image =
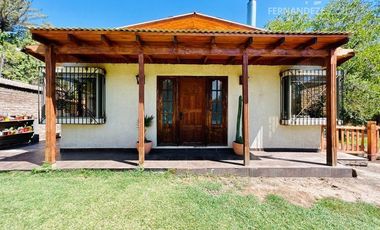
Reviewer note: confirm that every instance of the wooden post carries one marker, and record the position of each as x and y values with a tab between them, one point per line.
141	114
372	142
331	148
50	106
246	143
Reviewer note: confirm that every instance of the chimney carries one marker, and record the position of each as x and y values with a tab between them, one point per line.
251	13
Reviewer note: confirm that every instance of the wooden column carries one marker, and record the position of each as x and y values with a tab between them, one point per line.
50	106
141	114
246	143
331	148
371	137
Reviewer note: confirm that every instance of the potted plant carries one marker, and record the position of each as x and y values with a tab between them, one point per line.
148	144
237	145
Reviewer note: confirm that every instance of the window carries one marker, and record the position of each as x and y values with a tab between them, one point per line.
216	102
303	97
80	95
167	102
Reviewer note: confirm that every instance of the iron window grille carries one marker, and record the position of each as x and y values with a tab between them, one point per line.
303	97
80	95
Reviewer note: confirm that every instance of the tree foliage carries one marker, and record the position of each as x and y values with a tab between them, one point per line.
289	21
362	80
15	15
16	64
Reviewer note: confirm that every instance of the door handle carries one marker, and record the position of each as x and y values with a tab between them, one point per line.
180	115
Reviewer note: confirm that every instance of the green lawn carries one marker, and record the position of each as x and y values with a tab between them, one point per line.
143	200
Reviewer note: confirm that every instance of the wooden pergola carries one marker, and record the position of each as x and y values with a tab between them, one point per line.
226	47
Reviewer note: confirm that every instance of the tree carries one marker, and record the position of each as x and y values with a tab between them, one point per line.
362	79
17	65
16	13
290	22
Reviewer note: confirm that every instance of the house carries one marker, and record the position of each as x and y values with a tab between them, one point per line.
189	71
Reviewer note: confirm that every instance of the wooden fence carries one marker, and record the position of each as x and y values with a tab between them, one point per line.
356	139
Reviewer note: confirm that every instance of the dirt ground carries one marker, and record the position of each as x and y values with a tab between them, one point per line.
305	191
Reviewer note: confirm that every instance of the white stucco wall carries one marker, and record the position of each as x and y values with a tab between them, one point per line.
120	130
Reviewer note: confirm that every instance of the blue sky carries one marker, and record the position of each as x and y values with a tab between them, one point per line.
115	13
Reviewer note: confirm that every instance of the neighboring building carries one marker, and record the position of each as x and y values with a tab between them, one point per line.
194	67
18	98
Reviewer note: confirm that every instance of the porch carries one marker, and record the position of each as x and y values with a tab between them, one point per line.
216	161
228	45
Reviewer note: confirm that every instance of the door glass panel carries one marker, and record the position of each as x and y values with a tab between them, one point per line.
169	118
216	102
168	107
214	94
169	95
214	85
167	102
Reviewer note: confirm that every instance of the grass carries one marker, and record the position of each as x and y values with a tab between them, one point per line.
145	200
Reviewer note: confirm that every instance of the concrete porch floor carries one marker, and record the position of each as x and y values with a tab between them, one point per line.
198	161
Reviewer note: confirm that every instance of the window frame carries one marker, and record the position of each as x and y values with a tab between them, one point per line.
72	75
217	133
287	94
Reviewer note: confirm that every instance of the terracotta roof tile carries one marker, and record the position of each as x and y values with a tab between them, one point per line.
189	31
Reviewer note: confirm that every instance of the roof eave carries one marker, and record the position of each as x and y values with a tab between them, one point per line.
43	29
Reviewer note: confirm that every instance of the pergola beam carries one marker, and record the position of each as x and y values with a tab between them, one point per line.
139	41
187	50
278	43
150	59
212	42
301	60
310	61
175	47
204	60
253	60
336	44
73	39
280	60
230	60
106	40
248	43
307	44
126	58
296	57
175	42
43	40
80	58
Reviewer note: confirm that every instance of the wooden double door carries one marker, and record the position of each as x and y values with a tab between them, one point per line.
191	111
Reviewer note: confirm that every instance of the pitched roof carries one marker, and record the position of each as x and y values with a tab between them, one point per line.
187	39
192	21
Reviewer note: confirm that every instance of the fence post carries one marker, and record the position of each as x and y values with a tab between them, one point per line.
371	140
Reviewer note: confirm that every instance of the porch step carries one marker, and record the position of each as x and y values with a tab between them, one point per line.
349	162
352	160
334	172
